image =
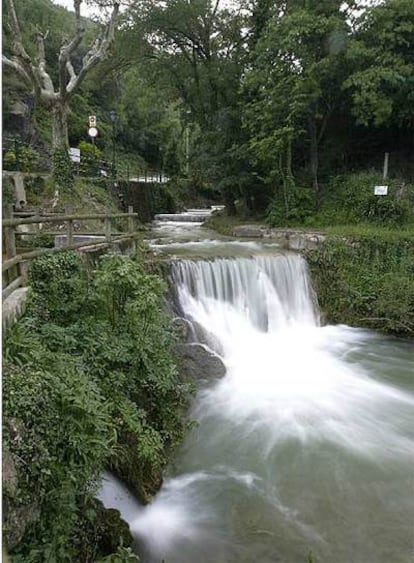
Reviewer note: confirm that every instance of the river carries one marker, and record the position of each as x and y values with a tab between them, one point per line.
305	449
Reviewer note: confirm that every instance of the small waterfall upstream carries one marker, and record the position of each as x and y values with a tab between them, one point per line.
306	445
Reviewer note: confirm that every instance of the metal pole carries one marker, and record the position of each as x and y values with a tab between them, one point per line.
386	160
187	150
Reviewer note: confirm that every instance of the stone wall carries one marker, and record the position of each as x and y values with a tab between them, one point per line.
291	239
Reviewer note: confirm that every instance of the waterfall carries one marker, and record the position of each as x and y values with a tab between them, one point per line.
272	291
305	445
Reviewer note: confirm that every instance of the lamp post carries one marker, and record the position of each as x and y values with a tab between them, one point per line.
113	116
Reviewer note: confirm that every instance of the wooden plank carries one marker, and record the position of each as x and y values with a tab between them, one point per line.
62	218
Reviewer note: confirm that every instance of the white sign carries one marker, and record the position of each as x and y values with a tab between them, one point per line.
92	121
381	190
93	132
74	155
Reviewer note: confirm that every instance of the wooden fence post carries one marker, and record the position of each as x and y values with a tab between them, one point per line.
10	245
69	237
10	235
107	222
130	220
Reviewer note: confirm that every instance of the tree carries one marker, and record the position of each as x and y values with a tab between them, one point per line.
199	48
381	55
292	86
33	70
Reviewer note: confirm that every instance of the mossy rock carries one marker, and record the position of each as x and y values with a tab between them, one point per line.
128	467
114	531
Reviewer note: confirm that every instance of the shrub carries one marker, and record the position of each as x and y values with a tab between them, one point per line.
91	157
90	379
350	199
22	157
367	280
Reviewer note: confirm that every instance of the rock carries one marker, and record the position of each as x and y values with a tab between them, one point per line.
19	108
16	516
9	472
16	519
182	328
289	238
113	531
249	231
200	335
199	363
14	306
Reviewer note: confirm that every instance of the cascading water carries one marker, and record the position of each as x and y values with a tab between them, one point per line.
306	445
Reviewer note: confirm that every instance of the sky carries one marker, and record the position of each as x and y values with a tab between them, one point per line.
85	9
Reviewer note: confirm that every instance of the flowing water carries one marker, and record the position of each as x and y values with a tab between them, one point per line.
305	446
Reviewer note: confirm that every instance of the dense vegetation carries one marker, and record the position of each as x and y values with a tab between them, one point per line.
266	102
366	278
88	384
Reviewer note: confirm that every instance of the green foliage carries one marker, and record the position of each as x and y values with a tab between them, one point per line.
367	279
291	205
381	56
58	286
90	379
65	437
22	157
8	196
35	187
42	240
91	157
163	199
62	169
123	555
350	199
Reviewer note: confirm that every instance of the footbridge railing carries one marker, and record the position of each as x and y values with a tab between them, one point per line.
16	263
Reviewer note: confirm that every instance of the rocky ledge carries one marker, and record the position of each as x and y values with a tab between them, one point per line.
292	239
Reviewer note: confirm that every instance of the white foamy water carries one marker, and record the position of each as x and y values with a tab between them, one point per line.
306	445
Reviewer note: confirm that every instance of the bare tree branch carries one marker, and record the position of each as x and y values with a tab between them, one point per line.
68	48
72	74
15	65
47	81
97	53
20	53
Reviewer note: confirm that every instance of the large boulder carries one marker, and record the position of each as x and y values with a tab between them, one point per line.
190	331
199	363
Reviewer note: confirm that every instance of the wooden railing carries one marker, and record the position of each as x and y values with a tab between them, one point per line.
15	266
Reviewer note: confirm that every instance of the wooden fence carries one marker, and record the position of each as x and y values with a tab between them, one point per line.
15	266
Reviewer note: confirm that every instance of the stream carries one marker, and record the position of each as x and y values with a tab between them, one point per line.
305	447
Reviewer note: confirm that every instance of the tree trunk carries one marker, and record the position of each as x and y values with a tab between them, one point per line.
60	138
229	203
314	158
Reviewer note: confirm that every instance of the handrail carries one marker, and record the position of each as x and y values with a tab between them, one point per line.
59	218
19	261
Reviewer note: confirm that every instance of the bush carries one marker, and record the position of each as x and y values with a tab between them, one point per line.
350	199
367	280
90	379
91	158
22	157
